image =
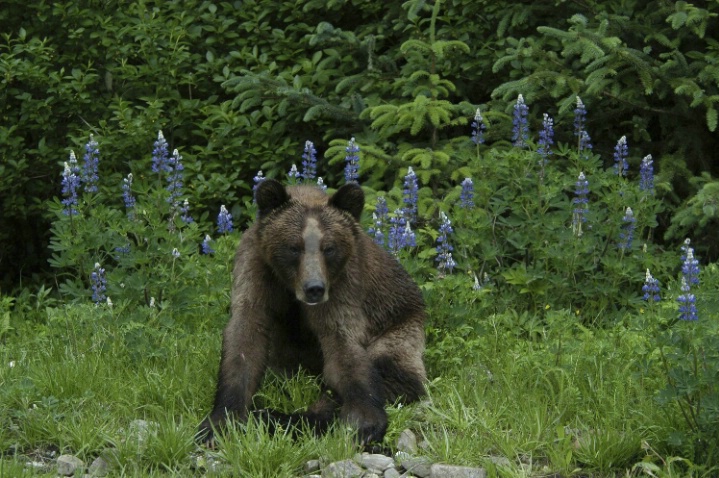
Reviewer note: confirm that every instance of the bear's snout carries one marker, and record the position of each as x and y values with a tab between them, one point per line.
314	291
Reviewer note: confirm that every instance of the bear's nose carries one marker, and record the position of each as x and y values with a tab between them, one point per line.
314	291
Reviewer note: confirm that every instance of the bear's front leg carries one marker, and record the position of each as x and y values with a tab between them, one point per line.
242	366
349	371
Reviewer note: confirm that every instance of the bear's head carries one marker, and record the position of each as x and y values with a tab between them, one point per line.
308	237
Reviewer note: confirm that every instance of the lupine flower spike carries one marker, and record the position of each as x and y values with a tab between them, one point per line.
224	221
478	128
174	179
546	140
160	155
98	284
309	162
127	196
70	185
352	162
293	175
621	151
410	195
466	196
444	249
520	128
89	170
580	129
646	174
206	247
400	232
379	218
690	277
627	235
580	201
321	184
257	179
651	288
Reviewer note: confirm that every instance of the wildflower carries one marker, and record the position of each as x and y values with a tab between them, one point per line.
400	232
580	131
206	248
89	170
687	303
98	284
352	162
122	250
621	151
627	235
224	221
520	129
160	155
646	174
478	128
309	162
651	288
546	140
293	175
109	303
321	184
479	284
580	201
410	195
152	302
70	185
444	248
185	212
466	196
690	265
127	196
257	179
175	253
690	277
379	217
174	179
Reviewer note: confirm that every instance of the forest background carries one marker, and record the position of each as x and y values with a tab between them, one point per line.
240	87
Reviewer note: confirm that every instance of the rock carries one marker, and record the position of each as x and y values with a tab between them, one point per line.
500	460
407	442
342	469
69	465
98	467
373	462
370	475
419	466
311	466
391	473
449	471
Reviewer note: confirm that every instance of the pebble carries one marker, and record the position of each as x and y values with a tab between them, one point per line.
68	465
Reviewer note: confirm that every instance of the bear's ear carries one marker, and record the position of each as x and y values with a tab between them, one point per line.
349	198
270	195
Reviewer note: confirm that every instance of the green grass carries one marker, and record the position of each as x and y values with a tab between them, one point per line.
573	401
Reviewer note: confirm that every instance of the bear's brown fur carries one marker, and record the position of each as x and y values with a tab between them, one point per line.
311	289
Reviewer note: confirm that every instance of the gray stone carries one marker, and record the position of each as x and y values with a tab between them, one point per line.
311	466
98	467
419	466
407	442
391	473
68	465
369	474
342	469
449	471
374	462
500	460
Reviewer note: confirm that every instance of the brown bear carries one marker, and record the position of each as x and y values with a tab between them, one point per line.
311	289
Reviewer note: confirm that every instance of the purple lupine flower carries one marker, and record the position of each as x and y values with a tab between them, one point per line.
466	196
224	221
321	184
690	277
646	174
626	236
122	250
98	282
520	127
651	288
185	212
546	140
621	151
89	170
444	248
127	196
379	218
400	232
309	162
160	155
478	128
410	195
352	162
175	253
174	179
580	129
70	185
294	175
581	204
206	247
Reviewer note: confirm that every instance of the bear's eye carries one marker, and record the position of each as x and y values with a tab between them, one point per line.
294	251
330	251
